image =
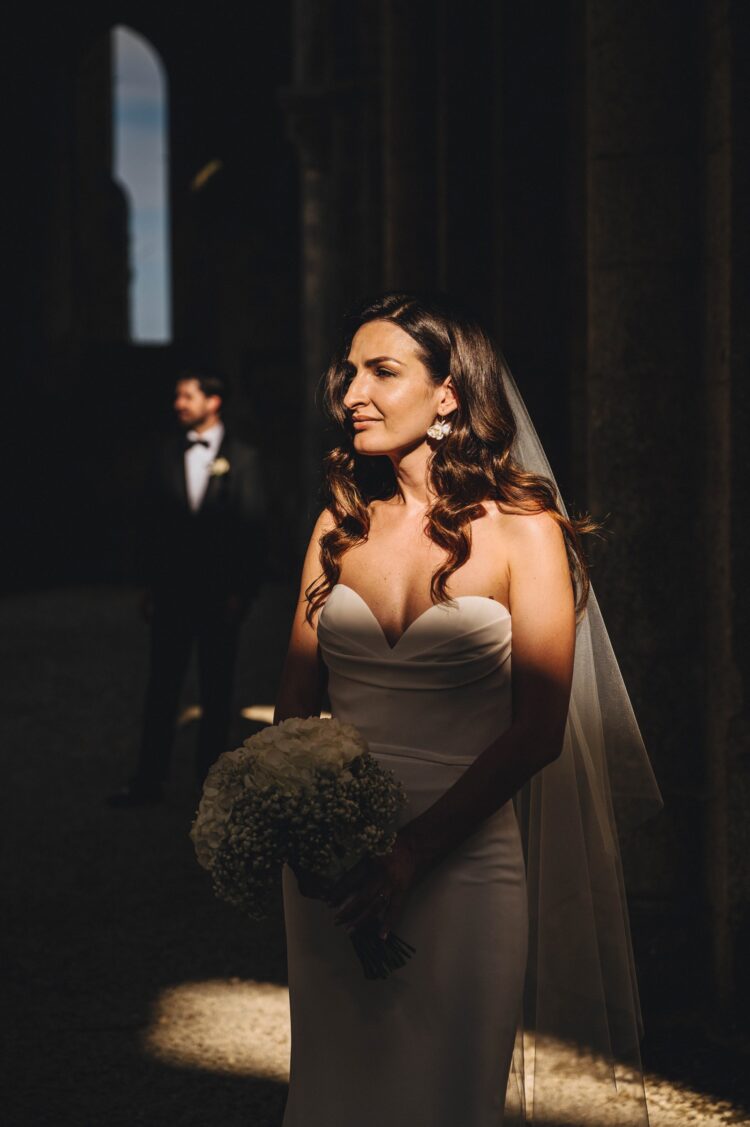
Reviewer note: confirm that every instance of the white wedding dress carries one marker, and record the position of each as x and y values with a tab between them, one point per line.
431	1045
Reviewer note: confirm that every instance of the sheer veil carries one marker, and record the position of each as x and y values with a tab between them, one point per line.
581	1023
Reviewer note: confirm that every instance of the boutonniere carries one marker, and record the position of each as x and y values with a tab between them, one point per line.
219	466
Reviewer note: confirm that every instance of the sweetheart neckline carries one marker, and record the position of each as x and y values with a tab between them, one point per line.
435	606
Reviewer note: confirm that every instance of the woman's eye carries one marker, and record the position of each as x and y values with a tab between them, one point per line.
385	372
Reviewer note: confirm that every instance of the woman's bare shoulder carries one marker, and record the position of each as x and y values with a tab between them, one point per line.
532	529
311	567
324	523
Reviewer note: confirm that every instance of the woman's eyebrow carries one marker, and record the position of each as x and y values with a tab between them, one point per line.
373	363
379	360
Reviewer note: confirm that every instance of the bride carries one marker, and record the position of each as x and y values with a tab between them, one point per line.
441	601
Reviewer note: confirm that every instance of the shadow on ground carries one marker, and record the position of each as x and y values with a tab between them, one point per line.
109	907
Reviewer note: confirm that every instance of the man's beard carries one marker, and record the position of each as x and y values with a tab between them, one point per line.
188	424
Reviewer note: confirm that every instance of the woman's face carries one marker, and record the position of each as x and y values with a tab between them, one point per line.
390	398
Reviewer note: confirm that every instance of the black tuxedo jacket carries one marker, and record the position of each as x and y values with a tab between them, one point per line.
218	549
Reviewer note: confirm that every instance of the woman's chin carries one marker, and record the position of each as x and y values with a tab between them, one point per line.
369	448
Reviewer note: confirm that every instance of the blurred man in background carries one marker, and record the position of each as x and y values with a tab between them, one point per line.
203	545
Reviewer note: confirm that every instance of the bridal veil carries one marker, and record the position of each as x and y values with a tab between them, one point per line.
578	1041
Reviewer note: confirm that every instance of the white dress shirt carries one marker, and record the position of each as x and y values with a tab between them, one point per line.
198	460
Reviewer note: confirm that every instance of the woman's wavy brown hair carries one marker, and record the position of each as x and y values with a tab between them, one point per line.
473	464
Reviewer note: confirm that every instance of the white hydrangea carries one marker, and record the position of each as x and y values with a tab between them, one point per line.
291	752
287	755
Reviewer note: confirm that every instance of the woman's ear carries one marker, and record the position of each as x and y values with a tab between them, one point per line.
448	401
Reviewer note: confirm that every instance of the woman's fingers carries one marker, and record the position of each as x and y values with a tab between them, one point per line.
362	906
347	883
374	889
353	906
367	912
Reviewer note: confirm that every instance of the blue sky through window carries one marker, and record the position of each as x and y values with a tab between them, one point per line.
140	165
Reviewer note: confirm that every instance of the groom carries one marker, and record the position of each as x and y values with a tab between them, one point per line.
202	550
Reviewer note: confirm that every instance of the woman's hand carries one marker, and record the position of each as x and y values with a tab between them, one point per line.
375	890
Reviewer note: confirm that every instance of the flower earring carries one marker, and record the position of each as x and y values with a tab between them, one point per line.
440	428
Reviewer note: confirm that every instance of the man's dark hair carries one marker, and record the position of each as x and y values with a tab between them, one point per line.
209	381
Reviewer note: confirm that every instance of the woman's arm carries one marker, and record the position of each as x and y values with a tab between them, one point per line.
303	676
542	605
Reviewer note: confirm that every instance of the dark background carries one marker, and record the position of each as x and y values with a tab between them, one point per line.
578	172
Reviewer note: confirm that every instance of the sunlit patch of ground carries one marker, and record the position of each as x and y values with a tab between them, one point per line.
223	1025
672	1104
241	1028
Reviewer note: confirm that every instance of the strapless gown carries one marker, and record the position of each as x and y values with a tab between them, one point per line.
430	1046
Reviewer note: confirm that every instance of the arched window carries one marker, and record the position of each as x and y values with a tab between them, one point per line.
140	165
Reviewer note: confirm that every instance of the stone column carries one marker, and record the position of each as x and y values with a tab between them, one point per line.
409	79
101	269
727	544
738	594
645	408
467	135
308	122
537	293
331	119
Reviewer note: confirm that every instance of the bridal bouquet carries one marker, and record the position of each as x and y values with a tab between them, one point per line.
306	793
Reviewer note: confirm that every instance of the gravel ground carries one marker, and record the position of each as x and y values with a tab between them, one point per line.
134	997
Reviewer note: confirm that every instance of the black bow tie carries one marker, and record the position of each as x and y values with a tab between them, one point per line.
190	442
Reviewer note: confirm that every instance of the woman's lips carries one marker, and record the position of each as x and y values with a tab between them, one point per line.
365	422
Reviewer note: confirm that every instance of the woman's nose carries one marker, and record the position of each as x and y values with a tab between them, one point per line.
356	392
